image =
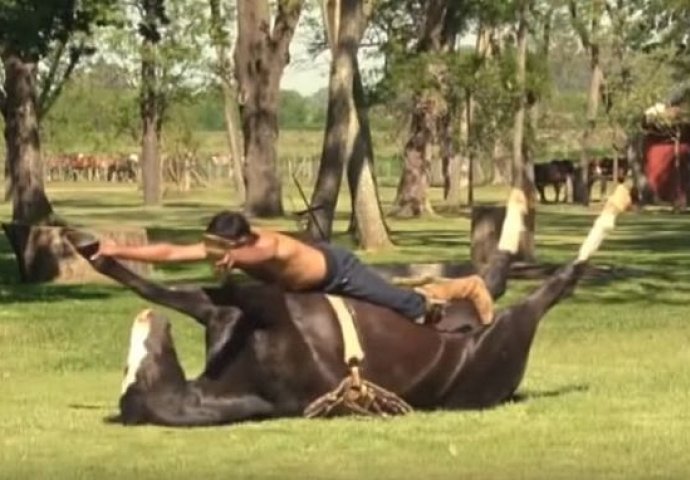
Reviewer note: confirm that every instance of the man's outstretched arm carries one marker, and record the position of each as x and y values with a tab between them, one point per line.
153	253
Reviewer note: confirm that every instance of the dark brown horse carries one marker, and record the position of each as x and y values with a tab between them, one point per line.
271	353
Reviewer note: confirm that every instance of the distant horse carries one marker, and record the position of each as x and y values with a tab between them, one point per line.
557	173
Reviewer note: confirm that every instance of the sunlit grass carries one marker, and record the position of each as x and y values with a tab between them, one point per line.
605	395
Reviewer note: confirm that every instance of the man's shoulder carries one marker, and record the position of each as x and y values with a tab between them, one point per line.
286	237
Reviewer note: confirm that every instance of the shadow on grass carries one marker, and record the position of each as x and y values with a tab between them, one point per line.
527	395
9	271
519	397
84	406
113	419
13	291
22	293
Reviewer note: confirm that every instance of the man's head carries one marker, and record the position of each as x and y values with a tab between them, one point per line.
229	225
228	230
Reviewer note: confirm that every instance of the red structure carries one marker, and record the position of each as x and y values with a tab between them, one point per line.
666	160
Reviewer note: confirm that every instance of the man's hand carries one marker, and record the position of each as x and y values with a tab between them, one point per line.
106	248
226	262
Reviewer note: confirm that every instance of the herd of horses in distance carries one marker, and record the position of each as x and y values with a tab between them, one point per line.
125	168
118	167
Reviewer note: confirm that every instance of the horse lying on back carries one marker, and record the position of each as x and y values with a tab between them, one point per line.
271	354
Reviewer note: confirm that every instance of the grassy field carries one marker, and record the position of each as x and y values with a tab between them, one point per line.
605	394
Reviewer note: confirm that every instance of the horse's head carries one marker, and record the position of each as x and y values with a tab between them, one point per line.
152	365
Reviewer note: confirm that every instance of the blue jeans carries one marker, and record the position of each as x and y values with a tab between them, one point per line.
348	277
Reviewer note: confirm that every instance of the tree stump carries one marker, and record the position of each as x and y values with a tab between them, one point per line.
487	224
44	255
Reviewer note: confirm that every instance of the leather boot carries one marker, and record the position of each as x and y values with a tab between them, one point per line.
471	288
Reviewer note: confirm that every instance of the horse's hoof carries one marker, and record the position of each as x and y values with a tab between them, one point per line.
85	243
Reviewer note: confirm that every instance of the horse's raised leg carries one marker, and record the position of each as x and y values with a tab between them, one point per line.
501	350
220	321
495	274
190	301
155	390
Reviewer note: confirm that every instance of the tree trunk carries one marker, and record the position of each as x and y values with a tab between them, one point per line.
230	114
596	79
523	173
261	55
411	197
588	37
370	226
453	179
429	106
150	112
535	107
436	171
343	34
450	157
469	135
499	159
30	204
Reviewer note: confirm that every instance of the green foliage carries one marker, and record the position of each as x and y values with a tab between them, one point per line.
56	35
99	109
180	33
638	83
207	106
295	112
492	88
29	28
673	21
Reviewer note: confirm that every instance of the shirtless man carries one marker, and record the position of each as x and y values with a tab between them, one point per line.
296	266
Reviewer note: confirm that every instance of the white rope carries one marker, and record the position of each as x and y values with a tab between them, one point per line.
352	346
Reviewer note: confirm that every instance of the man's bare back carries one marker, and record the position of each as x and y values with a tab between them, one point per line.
292	264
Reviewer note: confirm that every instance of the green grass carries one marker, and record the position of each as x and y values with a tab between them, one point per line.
605	394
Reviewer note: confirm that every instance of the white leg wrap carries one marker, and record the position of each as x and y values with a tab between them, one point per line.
602	227
512	228
137	348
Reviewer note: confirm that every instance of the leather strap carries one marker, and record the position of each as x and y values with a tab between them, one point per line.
353	347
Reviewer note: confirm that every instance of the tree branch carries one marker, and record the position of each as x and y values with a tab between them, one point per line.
285	24
51	91
435	16
53	83
47	83
579	25
609	9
